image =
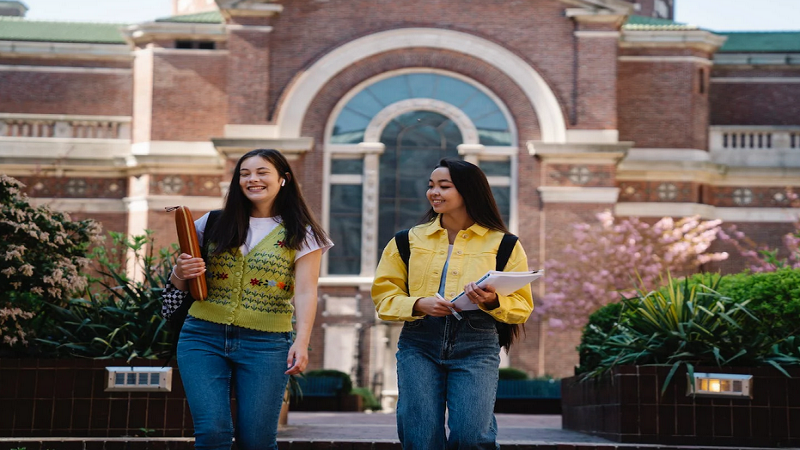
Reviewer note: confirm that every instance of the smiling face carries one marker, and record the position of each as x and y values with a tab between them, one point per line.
260	183
442	193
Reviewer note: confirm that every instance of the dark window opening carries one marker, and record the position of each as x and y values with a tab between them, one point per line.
202	45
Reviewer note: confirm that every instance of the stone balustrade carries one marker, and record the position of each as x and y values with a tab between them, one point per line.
64	126
754	137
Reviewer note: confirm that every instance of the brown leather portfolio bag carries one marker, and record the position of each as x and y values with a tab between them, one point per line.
187	239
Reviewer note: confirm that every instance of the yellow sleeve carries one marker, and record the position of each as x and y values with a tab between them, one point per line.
516	307
390	288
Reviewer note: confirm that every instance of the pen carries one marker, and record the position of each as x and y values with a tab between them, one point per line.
455	313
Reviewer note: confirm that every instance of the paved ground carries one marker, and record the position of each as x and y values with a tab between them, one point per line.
513	428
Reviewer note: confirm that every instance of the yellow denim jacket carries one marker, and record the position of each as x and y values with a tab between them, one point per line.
474	253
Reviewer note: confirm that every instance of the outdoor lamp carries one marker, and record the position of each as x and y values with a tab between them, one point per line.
719	385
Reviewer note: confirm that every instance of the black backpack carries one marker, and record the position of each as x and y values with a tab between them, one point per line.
506	332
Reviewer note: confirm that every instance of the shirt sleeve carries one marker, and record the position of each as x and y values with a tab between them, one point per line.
310	245
200	226
390	288
516	307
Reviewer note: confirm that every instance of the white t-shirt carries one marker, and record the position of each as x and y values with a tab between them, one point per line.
260	227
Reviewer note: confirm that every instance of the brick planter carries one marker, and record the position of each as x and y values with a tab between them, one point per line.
626	406
66	397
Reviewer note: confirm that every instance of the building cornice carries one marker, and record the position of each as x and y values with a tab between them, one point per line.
248	8
727	214
150	31
65	50
597	8
602	152
698	39
233	148
757	59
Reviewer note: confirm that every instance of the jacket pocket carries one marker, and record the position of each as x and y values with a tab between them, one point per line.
419	267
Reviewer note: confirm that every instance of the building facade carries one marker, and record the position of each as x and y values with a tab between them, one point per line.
571	107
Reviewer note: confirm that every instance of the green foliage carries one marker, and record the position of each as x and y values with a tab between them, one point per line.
368	399
347	383
600	324
687	324
123	319
774	298
510	373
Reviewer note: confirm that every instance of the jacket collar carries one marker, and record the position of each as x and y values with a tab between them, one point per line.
436	226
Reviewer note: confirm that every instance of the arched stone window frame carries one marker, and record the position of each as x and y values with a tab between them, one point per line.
371	149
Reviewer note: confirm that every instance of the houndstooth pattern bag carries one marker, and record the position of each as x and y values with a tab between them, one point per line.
172	298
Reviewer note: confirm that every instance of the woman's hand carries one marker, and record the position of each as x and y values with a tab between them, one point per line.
486	296
297	360
433	306
187	267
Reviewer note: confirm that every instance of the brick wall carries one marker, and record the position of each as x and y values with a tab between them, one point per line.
83	93
660	104
189	102
535	30
756	103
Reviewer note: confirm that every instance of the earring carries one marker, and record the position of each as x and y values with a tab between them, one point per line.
283	182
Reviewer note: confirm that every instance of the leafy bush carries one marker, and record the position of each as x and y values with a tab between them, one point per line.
368	400
600	324
510	373
347	383
123	319
774	298
687	324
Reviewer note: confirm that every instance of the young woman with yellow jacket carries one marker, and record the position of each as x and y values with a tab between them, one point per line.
446	363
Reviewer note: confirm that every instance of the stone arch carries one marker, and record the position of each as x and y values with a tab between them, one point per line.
296	102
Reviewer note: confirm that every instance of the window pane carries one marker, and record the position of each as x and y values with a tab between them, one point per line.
502	195
391	90
496	168
344	258
413	148
347	166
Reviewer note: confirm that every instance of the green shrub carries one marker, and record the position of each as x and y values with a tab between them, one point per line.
774	298
686	324
510	373
600	324
347	383
369	402
122	318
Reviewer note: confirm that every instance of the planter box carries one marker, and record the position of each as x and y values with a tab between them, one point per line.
528	397
626	406
66	397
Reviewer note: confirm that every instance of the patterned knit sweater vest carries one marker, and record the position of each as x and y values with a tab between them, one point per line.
253	291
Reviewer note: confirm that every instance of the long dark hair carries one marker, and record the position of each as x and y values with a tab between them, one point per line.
230	230
471	183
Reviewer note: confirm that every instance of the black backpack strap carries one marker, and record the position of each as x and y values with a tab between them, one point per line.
504	251
212	220
403	246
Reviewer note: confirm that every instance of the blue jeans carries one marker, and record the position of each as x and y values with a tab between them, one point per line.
212	358
446	363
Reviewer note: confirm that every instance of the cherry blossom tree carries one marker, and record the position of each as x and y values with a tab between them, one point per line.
42	259
605	259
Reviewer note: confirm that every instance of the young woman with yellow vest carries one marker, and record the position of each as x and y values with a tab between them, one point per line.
263	261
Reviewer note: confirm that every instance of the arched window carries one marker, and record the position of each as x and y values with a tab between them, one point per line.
382	143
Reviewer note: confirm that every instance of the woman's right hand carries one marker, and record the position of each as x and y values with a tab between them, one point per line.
187	267
433	306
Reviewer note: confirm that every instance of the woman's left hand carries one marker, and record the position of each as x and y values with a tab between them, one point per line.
486	296
297	360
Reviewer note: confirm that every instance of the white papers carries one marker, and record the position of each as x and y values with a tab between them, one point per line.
504	283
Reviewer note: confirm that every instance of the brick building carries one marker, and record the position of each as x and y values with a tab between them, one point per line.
570	106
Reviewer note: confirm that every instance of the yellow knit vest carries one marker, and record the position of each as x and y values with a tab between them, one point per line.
252	291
